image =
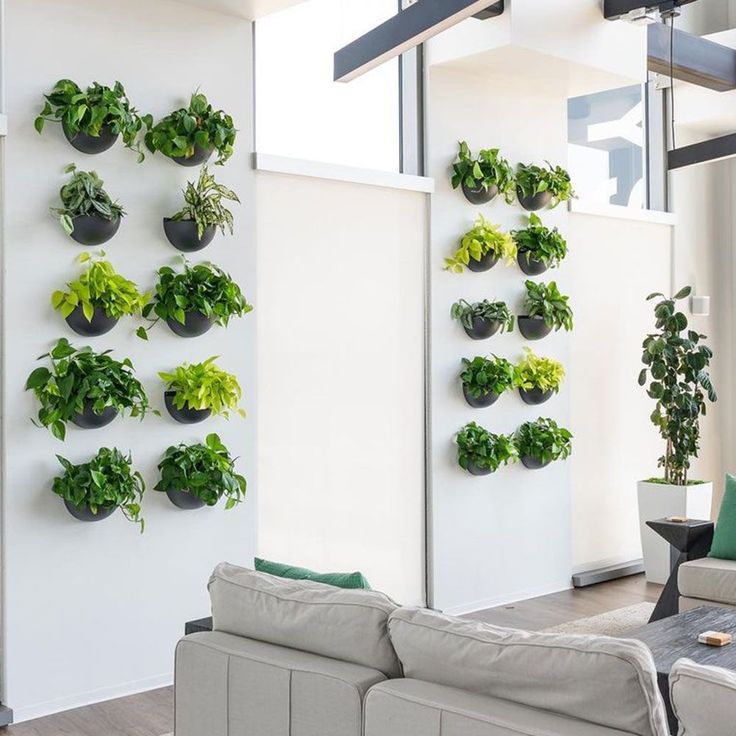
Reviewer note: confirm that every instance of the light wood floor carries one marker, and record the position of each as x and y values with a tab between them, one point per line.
151	714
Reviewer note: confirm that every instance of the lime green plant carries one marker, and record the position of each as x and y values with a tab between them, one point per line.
538	372
484	238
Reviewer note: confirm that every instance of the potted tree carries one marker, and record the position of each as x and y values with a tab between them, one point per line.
87	213
190	135
86	388
483	319
542	442
197	391
538	186
546	310
481	248
92	119
537	378
483	178
484	380
193	476
193	227
92	491
481	452
676	377
193	301
539	248
98	298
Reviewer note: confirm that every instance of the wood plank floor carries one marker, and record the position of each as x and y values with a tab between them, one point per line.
151	714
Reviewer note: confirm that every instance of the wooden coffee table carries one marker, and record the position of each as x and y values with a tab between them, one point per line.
676	637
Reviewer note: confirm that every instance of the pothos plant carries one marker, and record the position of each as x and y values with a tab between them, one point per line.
206	471
489	169
482	239
539	243
532	180
546	302
480	449
676	376
203	204
486	310
535	372
482	376
106	481
544	441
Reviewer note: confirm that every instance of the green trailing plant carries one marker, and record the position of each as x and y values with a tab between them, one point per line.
465	313
532	180
78	376
83	195
545	301
489	169
203	204
100	287
676	376
107	481
89	111
539	243
484	450
204	386
200	124
206	471
543	440
482	376
482	239
203	288
537	372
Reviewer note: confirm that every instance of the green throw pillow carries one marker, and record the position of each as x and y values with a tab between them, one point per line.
724	537
338	579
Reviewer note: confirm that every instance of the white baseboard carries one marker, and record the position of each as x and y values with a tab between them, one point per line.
516	597
607	562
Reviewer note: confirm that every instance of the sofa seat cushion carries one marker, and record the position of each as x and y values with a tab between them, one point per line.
687	604
416	708
709	579
231	686
349	625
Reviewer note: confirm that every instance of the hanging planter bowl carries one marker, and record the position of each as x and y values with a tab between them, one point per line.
87	419
200	156
473	469
185	415
536	202
100	323
85	513
185	500
530	266
94	230
480	195
533	328
183	235
486	263
482	328
481	402
532	463
535	396
195	324
89	143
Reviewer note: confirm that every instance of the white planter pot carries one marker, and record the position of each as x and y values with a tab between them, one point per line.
658	501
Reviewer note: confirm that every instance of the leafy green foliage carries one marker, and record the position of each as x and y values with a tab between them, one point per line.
204	386
540	243
483	449
205	470
484	238
534	371
482	376
100	287
488	170
676	362
199	124
80	375
83	194
544	441
545	301
203	204
465	313
104	482
90	110
532	179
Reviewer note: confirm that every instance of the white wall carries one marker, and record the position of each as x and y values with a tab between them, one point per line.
93	610
341	385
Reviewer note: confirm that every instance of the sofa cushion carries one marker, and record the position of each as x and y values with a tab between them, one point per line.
610	682
703	699
708	579
350	625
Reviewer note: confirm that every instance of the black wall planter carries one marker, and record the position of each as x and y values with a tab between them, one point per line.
535	396
84	512
195	324
473	469
185	500
91	144
100	324
185	415
480	403
93	230
87	419
486	263
533	328
482	328
530	266
200	156
481	195
532	463
182	234
537	202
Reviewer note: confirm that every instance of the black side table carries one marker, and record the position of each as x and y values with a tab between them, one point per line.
194	627
690	540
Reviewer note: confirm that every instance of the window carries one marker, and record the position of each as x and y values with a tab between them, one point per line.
300	111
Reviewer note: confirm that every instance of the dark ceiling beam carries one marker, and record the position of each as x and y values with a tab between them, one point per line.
615	9
706	152
409	28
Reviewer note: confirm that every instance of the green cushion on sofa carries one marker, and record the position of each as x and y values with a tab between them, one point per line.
338	579
724	537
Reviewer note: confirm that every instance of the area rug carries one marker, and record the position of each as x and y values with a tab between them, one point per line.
613	623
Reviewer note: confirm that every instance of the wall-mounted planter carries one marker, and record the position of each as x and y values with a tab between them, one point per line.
84	512
91	144
87	419
182	234
535	396
480	195
94	230
482	329
185	500
185	415
200	156
532	204
532	463
486	263
530	266
100	324
473	469
482	402
533	328
195	324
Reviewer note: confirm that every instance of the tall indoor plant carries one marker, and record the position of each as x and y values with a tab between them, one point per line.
675	375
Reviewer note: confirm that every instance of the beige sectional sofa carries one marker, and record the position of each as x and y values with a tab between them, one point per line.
708	581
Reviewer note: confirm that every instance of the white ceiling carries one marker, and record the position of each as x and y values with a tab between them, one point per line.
243	8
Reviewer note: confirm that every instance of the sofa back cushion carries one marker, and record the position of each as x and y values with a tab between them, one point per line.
350	625
609	682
